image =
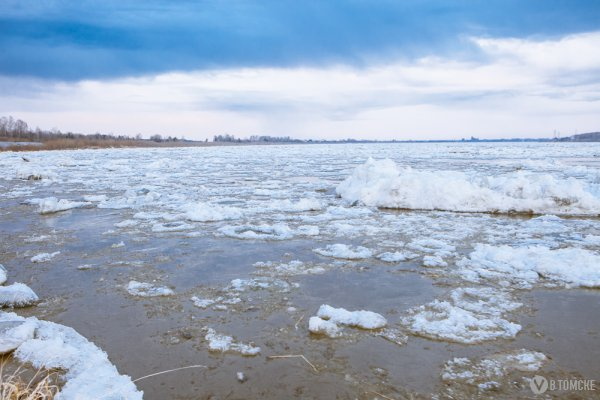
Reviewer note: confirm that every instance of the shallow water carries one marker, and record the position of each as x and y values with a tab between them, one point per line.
146	335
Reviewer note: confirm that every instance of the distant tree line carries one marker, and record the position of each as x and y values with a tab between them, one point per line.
255	139
18	129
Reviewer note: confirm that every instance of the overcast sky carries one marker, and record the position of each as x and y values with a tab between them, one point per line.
307	69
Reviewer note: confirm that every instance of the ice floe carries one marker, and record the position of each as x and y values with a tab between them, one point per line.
240	285
344	251
396	256
434	261
292	268
224	343
279	231
526	266
144	289
43	257
306	204
382	183
205	212
51	205
469	315
489	372
329	318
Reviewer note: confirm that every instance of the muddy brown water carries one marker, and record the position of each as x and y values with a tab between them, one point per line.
146	335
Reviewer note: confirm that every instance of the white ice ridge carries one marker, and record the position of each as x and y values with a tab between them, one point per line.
525	266
89	373
470	315
143	289
223	343
381	183
329	318
339	250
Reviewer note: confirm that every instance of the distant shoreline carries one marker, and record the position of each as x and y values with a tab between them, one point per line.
75	144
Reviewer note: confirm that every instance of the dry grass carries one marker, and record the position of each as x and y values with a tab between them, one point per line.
73	144
68	144
21	383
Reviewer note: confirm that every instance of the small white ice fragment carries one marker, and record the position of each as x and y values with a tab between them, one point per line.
43	257
223	343
361	319
142	289
321	326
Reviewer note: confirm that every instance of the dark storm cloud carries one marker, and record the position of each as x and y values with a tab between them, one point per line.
69	40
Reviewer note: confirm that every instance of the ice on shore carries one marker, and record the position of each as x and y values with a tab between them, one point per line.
469	315
381	183
344	251
51	205
43	257
143	289
3	274
88	371
17	295
526	266
13	333
205	212
224	343
328	319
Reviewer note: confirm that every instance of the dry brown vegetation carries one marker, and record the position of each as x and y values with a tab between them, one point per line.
20	383
67	144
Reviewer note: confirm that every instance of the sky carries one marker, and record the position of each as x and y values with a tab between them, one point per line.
310	69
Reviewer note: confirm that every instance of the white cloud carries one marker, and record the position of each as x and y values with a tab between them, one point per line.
520	87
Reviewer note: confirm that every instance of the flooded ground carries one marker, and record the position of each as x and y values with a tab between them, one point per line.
250	242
